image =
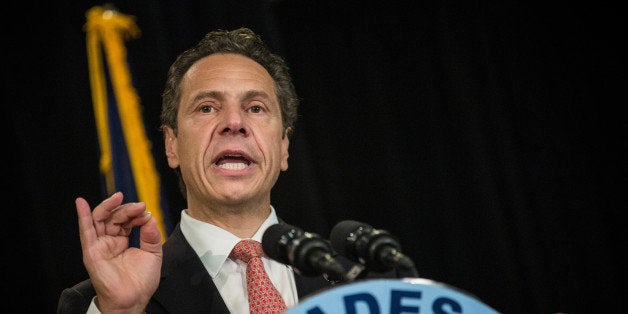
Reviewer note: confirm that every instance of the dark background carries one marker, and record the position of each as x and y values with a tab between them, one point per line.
484	136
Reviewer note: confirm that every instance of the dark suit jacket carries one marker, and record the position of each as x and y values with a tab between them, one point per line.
185	285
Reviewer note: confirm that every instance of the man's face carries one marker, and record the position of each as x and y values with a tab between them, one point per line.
229	144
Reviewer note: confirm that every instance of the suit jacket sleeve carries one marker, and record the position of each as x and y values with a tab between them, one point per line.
76	299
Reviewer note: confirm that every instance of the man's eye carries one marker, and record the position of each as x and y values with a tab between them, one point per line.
255	109
206	109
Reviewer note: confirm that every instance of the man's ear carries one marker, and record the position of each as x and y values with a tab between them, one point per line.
170	143
285	143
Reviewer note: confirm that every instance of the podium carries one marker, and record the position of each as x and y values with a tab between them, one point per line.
384	296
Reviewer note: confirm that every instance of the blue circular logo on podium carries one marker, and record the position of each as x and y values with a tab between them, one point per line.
392	296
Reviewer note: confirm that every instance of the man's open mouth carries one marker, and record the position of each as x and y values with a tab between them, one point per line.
233	162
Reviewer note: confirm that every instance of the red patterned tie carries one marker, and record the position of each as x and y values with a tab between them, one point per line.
263	296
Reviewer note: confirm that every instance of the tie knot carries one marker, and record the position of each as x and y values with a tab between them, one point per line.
247	249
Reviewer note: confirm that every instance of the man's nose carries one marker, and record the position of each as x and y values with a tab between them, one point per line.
234	122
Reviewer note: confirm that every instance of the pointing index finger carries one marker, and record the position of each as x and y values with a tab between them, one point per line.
87	232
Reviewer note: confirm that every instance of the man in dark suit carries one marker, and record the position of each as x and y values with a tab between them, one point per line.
228	109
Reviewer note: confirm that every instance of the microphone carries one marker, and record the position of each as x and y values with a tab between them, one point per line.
376	249
308	253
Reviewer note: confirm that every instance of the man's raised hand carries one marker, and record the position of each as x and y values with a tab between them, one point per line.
124	277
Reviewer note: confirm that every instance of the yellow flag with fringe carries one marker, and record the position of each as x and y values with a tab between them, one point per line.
126	161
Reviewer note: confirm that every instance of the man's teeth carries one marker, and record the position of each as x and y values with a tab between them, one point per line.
233	165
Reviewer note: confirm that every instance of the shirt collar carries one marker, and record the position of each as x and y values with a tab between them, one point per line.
214	253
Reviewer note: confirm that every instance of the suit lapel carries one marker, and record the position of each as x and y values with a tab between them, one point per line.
306	286
185	285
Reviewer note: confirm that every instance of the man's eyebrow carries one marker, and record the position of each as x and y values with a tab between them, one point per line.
221	95
208	94
255	93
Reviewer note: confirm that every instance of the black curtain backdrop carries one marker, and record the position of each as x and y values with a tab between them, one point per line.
482	135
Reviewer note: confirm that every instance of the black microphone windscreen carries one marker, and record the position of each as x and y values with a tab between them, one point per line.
339	234
273	244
